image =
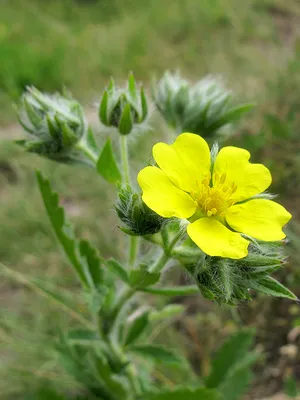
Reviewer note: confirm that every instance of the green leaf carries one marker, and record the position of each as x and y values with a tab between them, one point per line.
103	109
228	356
117	269
239	378
157	353
62	228
136	328
144	104
272	287
184	393
237	384
107	165
93	262
173	291
141	278
126	122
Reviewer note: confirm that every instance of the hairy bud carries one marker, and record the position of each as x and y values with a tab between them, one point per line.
202	108
230	281
137	217
123	108
54	124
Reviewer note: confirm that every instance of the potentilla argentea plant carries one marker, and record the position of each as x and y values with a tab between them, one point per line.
206	210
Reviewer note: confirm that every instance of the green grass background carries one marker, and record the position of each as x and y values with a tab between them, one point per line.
253	44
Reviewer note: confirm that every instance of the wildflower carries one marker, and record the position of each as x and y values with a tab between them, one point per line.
217	198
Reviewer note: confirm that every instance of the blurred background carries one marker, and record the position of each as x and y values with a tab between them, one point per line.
78	44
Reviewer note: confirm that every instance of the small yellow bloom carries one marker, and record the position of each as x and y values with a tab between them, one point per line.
216	199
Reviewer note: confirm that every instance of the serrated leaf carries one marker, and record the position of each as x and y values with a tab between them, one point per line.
228	356
157	353
107	165
272	287
93	262
117	269
173	291
103	109
136	328
184	393
61	226
141	278
126	122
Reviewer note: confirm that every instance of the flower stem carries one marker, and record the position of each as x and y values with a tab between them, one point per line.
133	250
124	297
165	256
84	148
124	157
134	241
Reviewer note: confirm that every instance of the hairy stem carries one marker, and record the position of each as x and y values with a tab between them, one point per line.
89	153
124	157
133	250
166	254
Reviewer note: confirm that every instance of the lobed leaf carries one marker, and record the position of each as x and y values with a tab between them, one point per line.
82	255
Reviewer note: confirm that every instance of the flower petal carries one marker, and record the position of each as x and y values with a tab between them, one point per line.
162	196
250	179
216	240
259	218
185	161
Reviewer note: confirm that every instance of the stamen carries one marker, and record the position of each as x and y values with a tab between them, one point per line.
223	178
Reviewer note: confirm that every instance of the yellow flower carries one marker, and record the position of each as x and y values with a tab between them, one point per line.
216	199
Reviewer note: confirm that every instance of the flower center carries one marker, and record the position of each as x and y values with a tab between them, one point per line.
216	198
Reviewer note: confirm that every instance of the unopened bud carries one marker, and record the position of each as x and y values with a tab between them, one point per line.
137	217
123	108
54	124
230	281
202	108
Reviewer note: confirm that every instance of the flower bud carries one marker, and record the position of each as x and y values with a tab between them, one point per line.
139	220
55	124
123	108
229	281
202	108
